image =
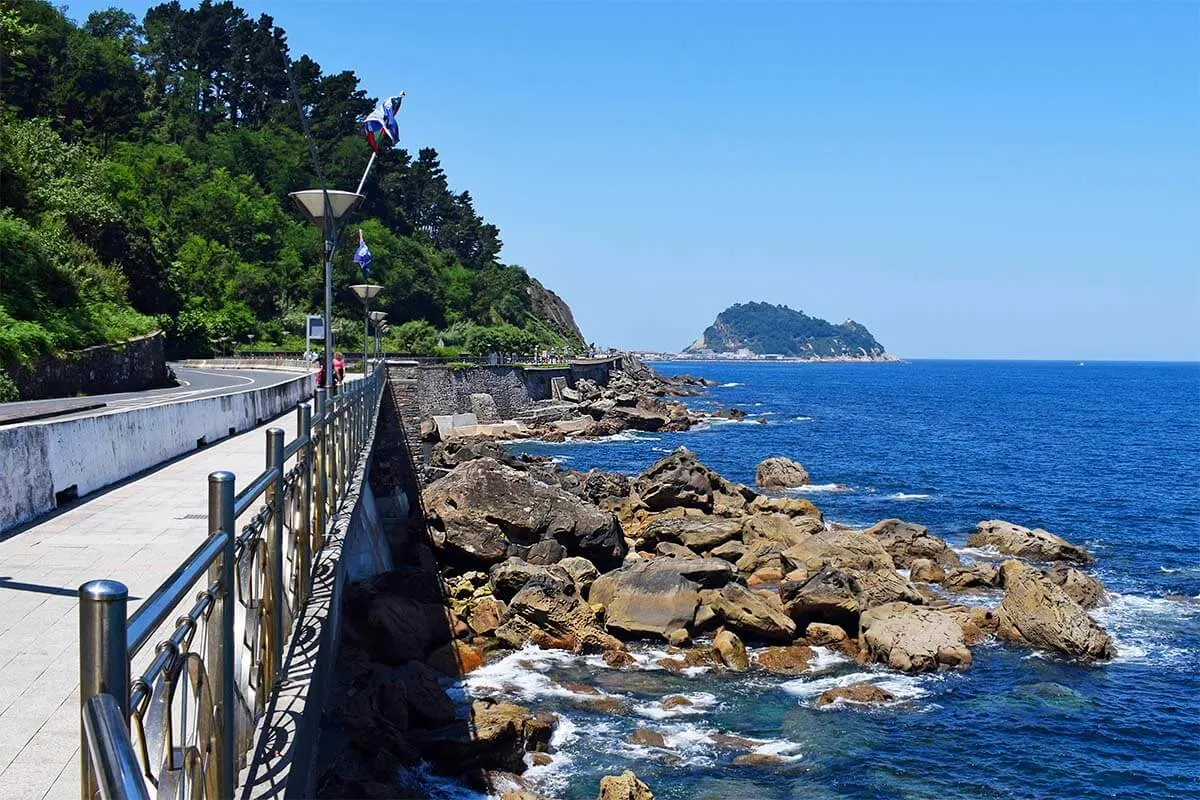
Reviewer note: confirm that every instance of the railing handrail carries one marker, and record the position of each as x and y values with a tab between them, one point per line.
118	774
225	684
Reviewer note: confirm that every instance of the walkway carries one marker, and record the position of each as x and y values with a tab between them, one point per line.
137	533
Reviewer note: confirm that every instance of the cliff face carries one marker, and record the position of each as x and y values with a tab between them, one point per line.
554	312
765	329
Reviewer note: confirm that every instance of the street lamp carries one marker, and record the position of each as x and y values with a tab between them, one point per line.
377	321
326	208
366	293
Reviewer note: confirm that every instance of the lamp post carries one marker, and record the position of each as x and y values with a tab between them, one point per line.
366	293
326	209
377	320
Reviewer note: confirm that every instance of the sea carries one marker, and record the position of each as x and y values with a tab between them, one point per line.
1103	454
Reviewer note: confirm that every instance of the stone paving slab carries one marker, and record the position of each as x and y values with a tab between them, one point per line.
137	533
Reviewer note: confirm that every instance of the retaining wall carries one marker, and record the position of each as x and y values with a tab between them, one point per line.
45	463
124	367
445	390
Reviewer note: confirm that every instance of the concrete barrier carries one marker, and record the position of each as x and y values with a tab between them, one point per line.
44	464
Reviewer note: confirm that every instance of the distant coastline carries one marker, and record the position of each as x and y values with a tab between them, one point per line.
647	355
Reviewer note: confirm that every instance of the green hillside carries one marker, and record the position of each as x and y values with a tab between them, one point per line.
144	172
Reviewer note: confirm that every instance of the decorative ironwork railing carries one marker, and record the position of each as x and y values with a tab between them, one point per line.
182	727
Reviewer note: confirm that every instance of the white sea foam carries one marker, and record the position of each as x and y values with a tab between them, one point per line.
521	674
802	419
902	687
985	553
1142	628
905	496
780	748
818	488
1168	570
729	385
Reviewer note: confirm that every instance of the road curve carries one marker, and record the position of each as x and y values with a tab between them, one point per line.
193	384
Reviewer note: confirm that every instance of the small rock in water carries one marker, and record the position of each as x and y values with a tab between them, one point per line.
625	786
855	693
619	659
731	651
645	736
780	473
727	741
541	759
789	660
675	701
759	760
822	633
679	637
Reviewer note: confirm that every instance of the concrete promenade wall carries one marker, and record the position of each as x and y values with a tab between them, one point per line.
446	390
126	366
73	457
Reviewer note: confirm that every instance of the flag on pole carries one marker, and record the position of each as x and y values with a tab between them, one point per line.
362	256
382	122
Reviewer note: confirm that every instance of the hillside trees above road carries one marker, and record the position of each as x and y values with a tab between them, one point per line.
144	180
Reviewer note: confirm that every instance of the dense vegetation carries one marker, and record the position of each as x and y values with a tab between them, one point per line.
144	172
763	328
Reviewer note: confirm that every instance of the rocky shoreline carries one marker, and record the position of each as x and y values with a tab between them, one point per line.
520	551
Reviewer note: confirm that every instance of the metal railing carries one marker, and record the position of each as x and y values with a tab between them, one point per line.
183	727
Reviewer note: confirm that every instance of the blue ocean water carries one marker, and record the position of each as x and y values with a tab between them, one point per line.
1105	454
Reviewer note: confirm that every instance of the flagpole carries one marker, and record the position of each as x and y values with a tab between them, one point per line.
366	172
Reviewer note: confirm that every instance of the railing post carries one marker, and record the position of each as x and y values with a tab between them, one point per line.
320	431
103	659
220	633
304	540
335	431
275	551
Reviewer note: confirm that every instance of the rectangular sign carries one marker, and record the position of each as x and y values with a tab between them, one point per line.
316	327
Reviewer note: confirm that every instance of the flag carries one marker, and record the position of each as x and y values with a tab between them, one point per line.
382	122
362	256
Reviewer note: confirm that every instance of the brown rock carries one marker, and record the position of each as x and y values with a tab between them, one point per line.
625	786
855	693
497	737
731	651
730	551
542	613
619	659
907	542
759	760
510	576
1036	544
701	532
838	548
926	571
756	614
674	701
1038	612
482	507
679	637
912	639
1079	586
820	633
780	473
645	736
772	527
540	760
486	614
975	576
792	506
789	660
765	575
455	658
674	550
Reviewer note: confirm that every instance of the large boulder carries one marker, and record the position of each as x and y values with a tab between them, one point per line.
758	615
731	651
654	598
497	736
792	506
1036	544
786	660
780	473
545	614
838	548
912	639
981	575
485	511
679	479
837	596
777	527
907	542
1038	612
1079	586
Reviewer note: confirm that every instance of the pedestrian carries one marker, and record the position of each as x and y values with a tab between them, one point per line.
339	368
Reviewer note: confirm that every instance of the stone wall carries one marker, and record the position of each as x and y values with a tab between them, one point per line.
446	390
126	367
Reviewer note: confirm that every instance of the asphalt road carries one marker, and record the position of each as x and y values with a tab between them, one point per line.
193	384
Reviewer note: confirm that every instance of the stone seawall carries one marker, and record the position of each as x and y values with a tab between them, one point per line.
447	390
125	367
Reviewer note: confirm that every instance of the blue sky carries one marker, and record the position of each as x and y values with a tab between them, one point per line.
1008	180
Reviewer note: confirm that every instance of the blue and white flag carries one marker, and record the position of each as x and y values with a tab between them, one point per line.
362	256
382	121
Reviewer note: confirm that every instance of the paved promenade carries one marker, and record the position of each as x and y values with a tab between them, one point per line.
136	533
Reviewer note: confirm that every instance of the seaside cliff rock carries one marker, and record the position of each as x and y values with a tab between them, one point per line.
547	614
625	786
780	473
1038	612
484	511
1035	544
